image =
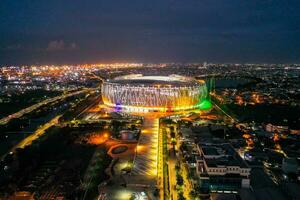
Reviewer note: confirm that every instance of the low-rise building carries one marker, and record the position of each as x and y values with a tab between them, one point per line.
280	129
221	169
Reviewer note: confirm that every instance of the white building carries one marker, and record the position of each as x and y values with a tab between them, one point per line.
220	168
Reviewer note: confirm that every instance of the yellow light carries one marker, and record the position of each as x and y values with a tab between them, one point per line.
123	194
153	172
186	106
145	131
139	148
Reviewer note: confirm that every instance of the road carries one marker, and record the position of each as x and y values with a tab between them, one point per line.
40	131
29	109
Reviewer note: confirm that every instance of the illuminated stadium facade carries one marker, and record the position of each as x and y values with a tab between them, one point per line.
153	93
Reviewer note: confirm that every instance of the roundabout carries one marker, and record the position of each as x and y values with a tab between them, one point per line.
119	149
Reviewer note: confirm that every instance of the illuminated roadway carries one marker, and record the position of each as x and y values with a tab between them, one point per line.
40	131
24	111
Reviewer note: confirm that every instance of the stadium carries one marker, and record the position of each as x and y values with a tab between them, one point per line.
153	93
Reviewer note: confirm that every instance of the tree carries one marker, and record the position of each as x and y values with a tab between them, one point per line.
193	194
180	196
116	125
177	167
133	127
172	134
156	192
179	179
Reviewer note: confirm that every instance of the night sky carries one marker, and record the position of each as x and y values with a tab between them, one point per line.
88	31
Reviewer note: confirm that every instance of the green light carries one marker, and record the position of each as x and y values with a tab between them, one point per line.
205	105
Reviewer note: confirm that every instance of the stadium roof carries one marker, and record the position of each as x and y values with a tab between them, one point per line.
158	81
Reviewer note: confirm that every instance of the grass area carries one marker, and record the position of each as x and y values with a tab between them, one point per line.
224	107
96	173
65	176
119	149
79	106
264	113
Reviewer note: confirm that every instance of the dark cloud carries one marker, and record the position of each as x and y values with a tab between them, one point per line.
60	45
150	31
12	47
56	45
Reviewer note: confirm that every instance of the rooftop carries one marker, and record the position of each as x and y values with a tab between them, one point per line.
223	155
158	81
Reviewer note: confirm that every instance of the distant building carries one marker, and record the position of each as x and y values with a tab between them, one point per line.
221	169
280	129
22	195
295	131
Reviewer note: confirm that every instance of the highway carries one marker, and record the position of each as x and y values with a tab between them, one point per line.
40	131
27	110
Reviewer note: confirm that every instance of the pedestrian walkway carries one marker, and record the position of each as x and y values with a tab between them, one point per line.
145	162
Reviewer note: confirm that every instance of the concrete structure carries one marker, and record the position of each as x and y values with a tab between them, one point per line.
280	129
127	135
220	168
140	93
